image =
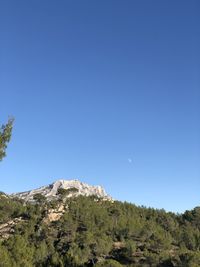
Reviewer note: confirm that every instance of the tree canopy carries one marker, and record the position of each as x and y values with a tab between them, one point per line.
5	136
96	233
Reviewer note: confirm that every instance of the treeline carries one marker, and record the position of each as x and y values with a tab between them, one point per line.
92	232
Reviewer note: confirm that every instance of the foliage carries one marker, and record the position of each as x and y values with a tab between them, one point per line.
39	198
62	192
5	135
97	233
108	263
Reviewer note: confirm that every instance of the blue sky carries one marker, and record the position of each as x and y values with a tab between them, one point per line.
106	92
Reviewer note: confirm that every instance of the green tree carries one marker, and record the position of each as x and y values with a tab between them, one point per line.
21	251
5	259
127	251
108	263
41	254
77	256
5	135
39	198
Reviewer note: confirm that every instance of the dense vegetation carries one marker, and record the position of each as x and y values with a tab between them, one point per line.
98	233
91	232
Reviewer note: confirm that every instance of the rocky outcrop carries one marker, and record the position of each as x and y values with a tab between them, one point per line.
51	191
8	228
54	214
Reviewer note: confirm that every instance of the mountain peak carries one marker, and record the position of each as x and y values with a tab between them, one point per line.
51	191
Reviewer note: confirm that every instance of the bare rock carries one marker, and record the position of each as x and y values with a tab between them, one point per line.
51	191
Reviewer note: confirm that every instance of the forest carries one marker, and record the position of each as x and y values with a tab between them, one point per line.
93	232
89	231
105	93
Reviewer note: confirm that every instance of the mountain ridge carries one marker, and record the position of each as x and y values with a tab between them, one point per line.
88	231
51	191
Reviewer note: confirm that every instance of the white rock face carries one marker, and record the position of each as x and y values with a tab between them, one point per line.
50	191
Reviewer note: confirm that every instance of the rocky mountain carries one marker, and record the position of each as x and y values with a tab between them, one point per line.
74	187
86	232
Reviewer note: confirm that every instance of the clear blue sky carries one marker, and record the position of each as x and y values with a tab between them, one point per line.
107	92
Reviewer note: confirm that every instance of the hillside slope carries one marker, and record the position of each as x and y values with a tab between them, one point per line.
83	231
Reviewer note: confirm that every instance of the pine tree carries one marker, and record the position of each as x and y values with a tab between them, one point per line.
5	135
